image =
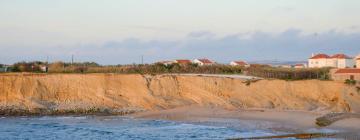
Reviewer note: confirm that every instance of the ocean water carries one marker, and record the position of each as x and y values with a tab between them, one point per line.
114	127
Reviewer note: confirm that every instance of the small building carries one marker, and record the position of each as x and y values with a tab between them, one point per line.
299	66
203	62
239	63
284	66
166	63
343	74
335	61
44	68
358	62
183	61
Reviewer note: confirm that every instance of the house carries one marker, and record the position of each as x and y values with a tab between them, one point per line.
239	63
343	74
203	62
336	61
358	62
183	61
44	68
166	63
284	66
299	66
343	61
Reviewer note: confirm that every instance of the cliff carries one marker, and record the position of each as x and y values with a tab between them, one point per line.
64	93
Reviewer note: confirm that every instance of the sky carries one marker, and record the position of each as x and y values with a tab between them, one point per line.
121	31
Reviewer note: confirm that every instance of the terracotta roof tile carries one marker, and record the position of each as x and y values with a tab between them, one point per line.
206	61
240	62
341	56
320	56
183	61
344	71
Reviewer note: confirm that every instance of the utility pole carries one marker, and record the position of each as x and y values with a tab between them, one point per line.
142	59
72	59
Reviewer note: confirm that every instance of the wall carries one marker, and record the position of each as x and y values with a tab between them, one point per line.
343	77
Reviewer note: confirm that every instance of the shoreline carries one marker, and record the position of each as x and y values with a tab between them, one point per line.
301	123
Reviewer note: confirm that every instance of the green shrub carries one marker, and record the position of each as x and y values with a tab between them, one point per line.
350	82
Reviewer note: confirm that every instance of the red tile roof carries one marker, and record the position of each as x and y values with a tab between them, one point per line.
242	63
320	56
183	61
206	61
345	71
341	56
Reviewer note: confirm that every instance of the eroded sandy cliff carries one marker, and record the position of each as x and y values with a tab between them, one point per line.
137	92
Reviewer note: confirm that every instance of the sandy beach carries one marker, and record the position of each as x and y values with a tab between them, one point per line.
297	122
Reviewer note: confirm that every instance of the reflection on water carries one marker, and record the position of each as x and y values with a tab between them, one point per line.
112	127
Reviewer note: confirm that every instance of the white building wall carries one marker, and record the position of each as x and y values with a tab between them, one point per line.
332	63
336	63
357	63
350	63
232	63
318	63
196	61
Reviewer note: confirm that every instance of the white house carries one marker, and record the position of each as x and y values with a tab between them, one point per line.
320	60
239	63
203	62
183	61
343	61
166	63
44	68
336	61
299	66
357	61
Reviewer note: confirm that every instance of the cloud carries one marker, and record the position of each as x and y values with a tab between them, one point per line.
201	34
289	45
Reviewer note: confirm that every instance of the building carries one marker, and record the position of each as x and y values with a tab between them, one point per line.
203	62
284	66
239	63
358	62
166	63
343	74
299	66
343	61
335	61
44	68
183	61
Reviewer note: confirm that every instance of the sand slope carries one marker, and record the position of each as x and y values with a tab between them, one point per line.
133	91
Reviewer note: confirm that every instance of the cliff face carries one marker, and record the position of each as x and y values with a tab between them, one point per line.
115	91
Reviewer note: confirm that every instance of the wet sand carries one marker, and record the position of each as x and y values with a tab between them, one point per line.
293	122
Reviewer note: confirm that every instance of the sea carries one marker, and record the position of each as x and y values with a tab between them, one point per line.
115	127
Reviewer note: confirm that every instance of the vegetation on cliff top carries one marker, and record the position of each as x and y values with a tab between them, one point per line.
264	71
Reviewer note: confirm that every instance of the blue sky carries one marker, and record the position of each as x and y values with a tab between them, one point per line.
120	31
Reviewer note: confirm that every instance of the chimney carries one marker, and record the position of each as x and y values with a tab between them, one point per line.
312	54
